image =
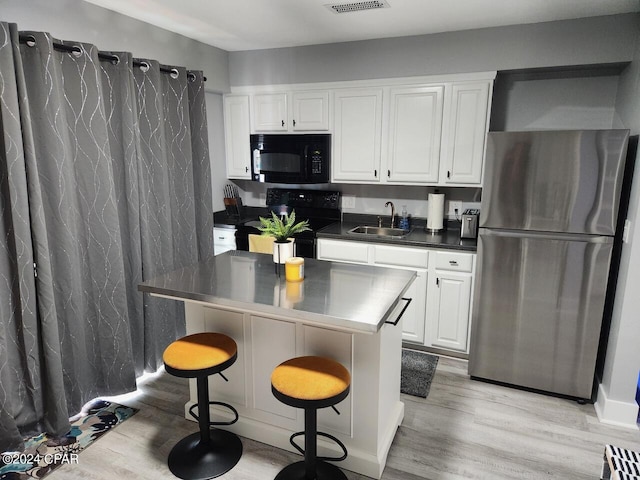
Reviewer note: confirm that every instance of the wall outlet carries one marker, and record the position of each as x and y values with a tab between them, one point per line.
453	206
348	201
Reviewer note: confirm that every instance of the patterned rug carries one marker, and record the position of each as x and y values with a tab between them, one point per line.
417	372
43	454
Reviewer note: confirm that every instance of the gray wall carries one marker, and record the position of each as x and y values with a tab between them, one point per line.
547	101
215	124
108	30
623	354
571	42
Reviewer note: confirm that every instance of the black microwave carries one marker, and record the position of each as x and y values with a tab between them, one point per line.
290	158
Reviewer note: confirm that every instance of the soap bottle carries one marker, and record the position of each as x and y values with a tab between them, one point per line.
404	219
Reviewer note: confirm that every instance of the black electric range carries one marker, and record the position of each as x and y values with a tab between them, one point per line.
320	208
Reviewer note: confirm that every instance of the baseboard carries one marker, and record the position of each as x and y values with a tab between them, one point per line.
614	412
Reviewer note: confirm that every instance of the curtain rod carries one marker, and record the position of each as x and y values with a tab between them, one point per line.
30	40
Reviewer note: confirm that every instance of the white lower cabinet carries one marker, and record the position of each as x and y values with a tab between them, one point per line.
409	258
449	312
440	311
449	300
413	318
224	239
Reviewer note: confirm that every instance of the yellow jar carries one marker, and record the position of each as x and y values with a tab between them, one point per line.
294	269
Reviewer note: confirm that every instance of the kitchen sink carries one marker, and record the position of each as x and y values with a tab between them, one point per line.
378	231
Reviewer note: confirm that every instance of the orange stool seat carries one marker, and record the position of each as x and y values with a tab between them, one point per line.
208	453
311	383
200	351
311	379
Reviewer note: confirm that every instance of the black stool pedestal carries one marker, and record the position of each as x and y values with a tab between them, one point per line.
191	459
311	383
324	471
209	452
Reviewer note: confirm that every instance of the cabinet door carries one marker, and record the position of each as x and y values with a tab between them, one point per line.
224	239
236	134
413	318
310	111
357	135
465	133
449	304
270	112
414	134
340	251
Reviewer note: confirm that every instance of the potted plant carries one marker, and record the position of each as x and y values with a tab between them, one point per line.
282	229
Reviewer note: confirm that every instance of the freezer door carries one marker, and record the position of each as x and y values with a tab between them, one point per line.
560	181
538	310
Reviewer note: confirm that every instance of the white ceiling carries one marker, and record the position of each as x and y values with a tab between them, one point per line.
234	25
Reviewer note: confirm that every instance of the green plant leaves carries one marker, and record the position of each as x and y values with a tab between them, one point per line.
280	228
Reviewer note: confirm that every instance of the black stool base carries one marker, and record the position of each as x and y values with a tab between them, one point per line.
324	471
191	460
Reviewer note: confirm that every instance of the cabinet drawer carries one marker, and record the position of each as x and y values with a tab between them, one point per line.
400	256
459	262
224	236
352	252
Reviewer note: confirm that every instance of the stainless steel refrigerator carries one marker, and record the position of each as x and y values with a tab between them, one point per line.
547	224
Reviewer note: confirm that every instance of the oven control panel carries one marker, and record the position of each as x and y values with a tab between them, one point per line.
295	198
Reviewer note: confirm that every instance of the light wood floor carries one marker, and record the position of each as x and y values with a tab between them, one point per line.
464	430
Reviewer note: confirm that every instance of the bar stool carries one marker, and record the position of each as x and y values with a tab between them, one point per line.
207	453
311	383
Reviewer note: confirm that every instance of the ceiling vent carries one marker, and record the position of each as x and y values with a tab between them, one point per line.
357	6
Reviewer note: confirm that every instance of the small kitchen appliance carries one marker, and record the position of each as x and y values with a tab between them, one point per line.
469	227
291	158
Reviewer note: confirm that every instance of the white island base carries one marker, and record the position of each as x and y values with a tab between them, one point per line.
369	416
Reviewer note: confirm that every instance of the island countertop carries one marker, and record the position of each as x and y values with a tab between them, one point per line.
336	295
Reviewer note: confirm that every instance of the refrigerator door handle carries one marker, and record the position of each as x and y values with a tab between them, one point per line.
576	237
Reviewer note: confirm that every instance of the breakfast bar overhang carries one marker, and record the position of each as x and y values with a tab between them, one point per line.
346	312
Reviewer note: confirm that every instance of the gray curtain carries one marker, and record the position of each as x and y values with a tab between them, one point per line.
103	186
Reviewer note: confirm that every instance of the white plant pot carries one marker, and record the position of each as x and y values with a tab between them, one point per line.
282	251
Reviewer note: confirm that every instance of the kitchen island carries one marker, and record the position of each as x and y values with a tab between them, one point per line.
345	312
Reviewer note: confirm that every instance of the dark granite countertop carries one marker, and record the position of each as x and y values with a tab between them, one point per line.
222	220
448	238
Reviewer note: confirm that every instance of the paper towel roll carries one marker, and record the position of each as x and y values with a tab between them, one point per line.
435	215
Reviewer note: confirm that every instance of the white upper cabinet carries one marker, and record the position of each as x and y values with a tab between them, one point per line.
415	127
270	112
310	111
465	131
237	129
357	135
291	112
402	131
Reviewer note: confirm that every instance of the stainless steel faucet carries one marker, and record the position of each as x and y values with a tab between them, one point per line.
393	213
